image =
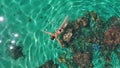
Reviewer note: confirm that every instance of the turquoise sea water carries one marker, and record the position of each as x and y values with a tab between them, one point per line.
27	18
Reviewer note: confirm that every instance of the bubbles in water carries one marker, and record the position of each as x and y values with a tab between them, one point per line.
0	41
11	47
13	41
1	18
16	35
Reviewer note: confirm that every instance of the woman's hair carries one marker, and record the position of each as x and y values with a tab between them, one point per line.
52	37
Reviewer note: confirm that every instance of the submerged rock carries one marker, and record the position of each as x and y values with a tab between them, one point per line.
49	64
107	65
112	34
16	51
83	21
114	21
68	35
82	59
94	16
112	37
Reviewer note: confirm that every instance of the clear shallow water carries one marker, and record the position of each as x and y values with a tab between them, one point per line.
28	17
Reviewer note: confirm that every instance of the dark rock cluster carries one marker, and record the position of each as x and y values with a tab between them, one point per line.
90	33
49	64
82	59
16	51
112	34
86	35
